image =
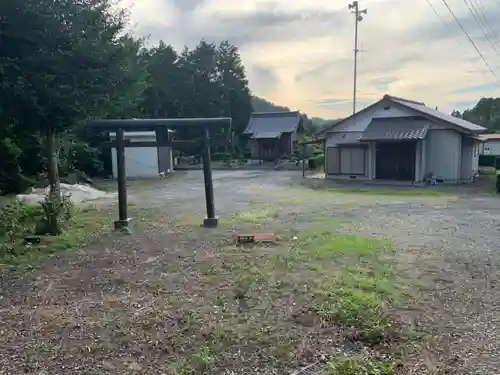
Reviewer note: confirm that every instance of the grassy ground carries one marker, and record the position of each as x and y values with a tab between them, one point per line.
86	226
205	305
276	307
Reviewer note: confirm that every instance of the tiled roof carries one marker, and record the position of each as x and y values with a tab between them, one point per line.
395	128
262	135
280	122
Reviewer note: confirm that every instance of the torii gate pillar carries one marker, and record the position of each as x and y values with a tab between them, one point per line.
160	126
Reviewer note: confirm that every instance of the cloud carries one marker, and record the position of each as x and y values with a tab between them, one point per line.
462	105
264	80
300	53
485	87
188	5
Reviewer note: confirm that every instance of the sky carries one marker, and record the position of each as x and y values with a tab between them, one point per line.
299	53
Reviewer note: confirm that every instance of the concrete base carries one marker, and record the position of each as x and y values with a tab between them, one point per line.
122	224
210	222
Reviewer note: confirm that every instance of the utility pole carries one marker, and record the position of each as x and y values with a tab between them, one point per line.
354	8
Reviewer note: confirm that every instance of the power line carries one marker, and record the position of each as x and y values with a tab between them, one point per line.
483	24
470	40
450	30
483	13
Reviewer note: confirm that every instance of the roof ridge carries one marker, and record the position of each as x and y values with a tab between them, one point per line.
392	97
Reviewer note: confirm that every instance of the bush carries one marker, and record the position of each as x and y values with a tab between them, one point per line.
56	215
488	161
316	161
17	219
220	156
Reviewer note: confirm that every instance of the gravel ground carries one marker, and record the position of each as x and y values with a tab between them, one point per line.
450	245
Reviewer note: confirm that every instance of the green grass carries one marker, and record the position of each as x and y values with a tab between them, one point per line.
244	217
256	215
361	366
329	280
354	284
86	226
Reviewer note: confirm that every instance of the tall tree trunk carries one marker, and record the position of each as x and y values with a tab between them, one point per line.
52	164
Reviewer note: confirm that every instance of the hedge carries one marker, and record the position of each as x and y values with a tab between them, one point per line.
489	161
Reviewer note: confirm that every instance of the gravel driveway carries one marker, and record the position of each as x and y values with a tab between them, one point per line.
451	245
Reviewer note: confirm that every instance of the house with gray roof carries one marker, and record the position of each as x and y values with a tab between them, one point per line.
272	135
397	139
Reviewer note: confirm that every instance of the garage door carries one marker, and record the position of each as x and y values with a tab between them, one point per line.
352	160
332	160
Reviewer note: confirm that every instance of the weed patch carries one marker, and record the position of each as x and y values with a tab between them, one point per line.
362	366
21	220
271	298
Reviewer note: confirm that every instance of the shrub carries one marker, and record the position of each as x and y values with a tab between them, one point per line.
316	161
56	215
17	219
220	156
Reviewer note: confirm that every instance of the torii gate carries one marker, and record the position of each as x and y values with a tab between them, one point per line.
160	126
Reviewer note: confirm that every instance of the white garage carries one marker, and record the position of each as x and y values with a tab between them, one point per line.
397	139
140	162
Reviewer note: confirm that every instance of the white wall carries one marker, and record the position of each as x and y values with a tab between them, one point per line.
491	147
475	157
140	162
336	138
444	155
359	122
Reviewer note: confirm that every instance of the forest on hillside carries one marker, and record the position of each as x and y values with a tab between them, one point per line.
485	113
73	61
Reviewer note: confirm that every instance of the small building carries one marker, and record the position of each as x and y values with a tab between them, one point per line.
490	145
144	159
396	139
273	135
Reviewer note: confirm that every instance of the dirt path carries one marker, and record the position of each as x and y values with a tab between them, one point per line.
451	245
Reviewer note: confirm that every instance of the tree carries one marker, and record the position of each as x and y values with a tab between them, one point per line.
161	97
263	105
236	100
70	60
485	113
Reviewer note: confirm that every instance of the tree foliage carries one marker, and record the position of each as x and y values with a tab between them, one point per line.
72	61
485	113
